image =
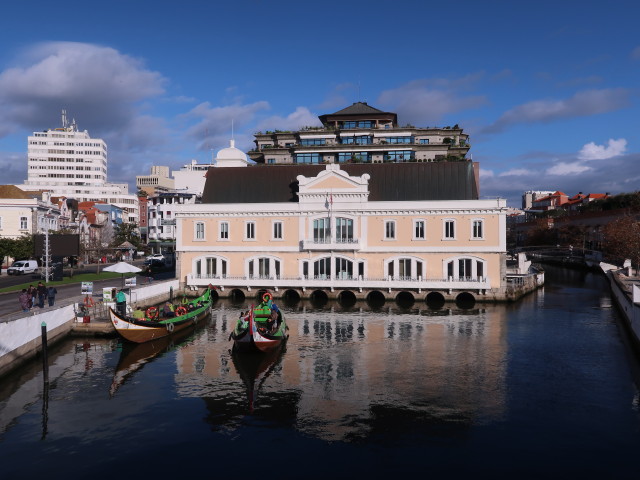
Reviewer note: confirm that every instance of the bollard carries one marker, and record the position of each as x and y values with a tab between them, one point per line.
45	360
171	294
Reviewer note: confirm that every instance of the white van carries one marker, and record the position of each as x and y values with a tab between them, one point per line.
23	266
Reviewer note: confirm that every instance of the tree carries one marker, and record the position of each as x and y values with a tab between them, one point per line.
126	232
622	239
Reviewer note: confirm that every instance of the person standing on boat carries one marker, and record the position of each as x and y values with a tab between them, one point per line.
121	303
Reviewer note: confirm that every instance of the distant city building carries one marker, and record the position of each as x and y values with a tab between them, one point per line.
161	228
69	163
191	177
26	213
530	196
360	134
158	181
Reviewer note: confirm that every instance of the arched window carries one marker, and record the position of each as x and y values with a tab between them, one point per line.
405	268
210	267
263	267
465	268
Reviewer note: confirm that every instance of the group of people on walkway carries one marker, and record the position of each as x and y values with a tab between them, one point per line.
35	296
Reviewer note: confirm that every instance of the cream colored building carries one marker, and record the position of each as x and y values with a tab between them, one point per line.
23	213
414	227
158	181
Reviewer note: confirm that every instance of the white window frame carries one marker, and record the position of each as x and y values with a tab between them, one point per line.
0	223
388	223
196	238
221	237
277	230
424	229
473	228
250	231
446	222
24	221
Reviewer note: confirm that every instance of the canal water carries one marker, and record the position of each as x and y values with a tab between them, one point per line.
543	388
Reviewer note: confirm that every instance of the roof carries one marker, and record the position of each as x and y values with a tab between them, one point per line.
358	108
11	191
388	182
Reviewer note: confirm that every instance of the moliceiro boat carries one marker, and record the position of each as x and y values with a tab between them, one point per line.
262	328
152	325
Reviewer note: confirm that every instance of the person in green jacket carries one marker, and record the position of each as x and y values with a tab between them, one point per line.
121	303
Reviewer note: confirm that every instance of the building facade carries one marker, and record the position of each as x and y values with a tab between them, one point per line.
158	181
23	213
161	224
416	228
69	163
360	134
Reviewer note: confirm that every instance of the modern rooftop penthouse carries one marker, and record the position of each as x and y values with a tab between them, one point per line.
360	134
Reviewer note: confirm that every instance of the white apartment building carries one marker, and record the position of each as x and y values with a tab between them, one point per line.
69	163
191	177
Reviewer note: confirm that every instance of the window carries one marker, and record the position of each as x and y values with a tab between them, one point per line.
199	231
271	160
399	139
211	267
277	230
360	124
307	158
358	140
322	268
224	231
321	230
465	268
449	229
390	230
263	267
344	230
344	269
424	141
399	156
418	230
250	231
312	141
478	231
354	157
23	223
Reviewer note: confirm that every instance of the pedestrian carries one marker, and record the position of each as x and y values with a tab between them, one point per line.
42	292
51	295
24	300
121	303
31	291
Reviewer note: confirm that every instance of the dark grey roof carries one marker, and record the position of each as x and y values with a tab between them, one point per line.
388	182
359	108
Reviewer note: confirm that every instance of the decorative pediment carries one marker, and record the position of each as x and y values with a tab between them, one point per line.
334	183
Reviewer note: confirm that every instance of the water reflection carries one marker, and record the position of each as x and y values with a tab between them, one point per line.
339	365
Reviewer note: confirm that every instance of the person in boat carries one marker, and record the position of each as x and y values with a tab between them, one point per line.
274	315
167	310
138	313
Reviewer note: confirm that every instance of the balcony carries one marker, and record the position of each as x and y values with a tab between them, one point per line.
325	244
340	282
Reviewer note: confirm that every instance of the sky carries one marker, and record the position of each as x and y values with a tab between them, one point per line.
547	91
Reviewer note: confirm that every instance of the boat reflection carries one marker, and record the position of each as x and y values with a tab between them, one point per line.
254	368
135	355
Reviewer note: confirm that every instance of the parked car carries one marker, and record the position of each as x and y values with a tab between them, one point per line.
23	266
156	256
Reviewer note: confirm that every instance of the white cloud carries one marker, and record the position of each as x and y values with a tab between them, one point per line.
301	117
591	151
563	168
425	102
582	104
98	86
486	173
517	172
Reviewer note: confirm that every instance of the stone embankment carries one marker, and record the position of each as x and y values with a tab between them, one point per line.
21	335
625	290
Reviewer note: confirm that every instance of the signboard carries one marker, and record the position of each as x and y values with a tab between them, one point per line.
130	282
107	295
87	288
171	221
60	244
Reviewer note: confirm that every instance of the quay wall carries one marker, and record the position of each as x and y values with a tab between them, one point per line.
626	294
21	337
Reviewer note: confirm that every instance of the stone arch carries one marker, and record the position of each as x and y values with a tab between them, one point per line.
405	299
237	296
319	298
465	300
435	300
347	298
375	299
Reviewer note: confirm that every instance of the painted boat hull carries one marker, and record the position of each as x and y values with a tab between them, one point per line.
140	331
254	338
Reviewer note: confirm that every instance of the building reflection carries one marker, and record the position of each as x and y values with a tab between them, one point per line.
343	370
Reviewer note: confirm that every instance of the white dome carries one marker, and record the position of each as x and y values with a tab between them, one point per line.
231	154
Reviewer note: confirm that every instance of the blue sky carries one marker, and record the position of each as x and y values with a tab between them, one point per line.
548	91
